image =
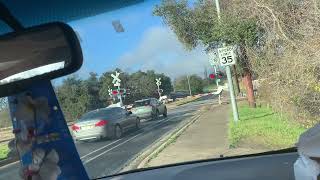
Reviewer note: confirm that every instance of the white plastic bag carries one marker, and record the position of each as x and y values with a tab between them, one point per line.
308	146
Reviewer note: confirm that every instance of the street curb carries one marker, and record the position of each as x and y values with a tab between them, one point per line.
143	158
167	140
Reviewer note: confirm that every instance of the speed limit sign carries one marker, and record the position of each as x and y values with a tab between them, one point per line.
227	56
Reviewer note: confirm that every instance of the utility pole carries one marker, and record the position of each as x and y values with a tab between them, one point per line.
189	85
229	76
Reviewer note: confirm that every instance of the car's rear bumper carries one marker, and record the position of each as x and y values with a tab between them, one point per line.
96	133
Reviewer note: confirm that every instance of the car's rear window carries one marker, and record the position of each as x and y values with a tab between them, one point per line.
142	103
98	114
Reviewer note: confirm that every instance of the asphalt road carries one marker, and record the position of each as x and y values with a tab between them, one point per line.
106	157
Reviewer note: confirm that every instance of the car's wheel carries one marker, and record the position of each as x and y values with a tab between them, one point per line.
165	112
117	132
155	115
138	125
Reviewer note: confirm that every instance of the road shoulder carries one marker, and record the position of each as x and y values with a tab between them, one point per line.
139	160
205	138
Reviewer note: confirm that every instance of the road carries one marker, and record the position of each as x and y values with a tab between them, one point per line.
108	157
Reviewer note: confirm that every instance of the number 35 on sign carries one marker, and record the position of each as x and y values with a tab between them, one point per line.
227	56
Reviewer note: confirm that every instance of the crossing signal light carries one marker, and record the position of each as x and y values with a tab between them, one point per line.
212	76
220	75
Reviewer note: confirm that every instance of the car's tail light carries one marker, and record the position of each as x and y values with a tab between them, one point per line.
75	127
101	123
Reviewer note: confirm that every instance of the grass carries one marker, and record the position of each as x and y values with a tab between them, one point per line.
4	150
262	127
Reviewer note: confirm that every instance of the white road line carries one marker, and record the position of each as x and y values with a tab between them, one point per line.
99	149
10	164
89	160
104	147
158	123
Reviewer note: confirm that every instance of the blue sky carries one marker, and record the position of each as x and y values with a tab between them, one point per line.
146	44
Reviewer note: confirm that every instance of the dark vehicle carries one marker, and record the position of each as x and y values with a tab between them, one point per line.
178	94
106	122
147	108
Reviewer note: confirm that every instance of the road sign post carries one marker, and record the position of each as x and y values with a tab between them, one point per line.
227	58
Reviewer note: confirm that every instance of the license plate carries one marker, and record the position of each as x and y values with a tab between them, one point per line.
87	127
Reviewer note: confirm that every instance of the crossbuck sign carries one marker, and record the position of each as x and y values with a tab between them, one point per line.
116	81
158	82
227	56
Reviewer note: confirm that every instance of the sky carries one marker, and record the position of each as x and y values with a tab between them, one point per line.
146	44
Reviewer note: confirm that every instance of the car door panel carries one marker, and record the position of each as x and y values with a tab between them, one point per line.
160	107
127	119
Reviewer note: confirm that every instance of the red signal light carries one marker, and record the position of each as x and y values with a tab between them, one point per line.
212	76
114	92
75	127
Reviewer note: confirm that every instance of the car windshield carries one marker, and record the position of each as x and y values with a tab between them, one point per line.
237	81
142	103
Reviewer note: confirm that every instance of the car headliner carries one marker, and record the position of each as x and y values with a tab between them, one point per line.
34	12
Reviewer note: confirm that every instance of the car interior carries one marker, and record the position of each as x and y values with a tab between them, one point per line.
41	27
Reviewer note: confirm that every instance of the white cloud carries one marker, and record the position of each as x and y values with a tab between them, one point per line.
159	49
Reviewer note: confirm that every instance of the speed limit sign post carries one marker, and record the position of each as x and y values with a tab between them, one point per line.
227	56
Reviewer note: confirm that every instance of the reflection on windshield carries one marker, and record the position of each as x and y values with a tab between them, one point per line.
33	72
173	53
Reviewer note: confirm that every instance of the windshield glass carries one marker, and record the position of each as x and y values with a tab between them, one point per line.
93	115
181	53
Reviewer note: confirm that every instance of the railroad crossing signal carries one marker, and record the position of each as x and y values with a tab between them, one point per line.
213	57
116	79
110	92
158	82
116	82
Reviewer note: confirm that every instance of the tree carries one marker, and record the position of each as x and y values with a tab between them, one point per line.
106	84
73	98
200	25
143	85
93	86
77	96
196	84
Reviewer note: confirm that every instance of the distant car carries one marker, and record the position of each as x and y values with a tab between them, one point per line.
149	108
178	95
107	122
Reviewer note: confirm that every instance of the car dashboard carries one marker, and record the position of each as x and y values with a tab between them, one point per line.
264	167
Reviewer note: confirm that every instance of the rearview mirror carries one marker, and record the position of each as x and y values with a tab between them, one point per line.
39	53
